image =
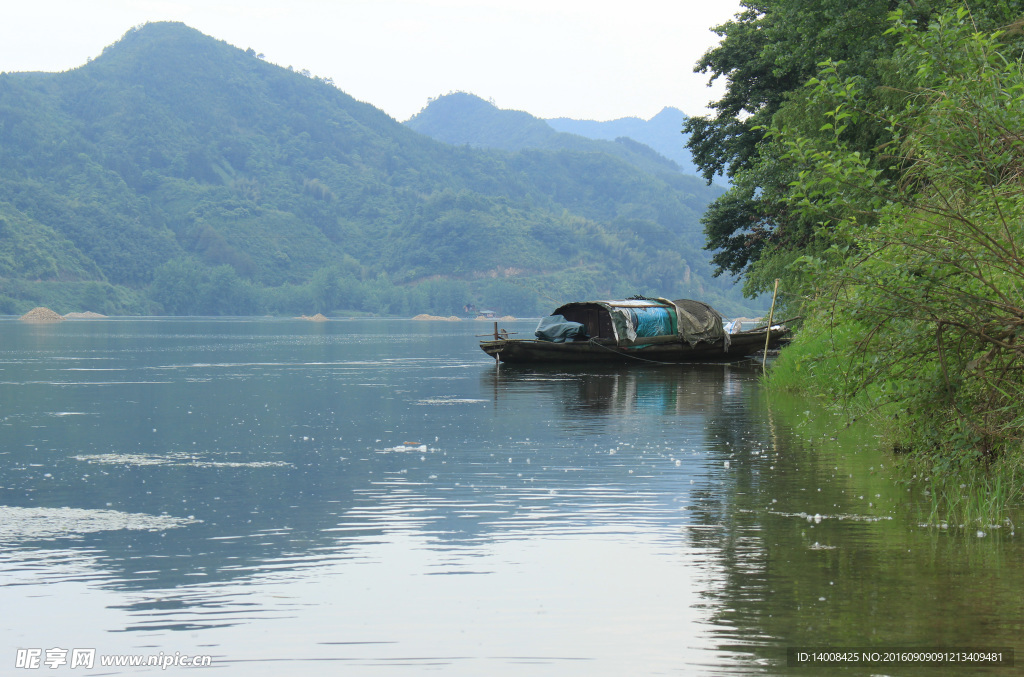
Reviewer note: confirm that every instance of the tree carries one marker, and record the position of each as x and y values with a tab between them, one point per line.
767	53
225	293
927	269
175	284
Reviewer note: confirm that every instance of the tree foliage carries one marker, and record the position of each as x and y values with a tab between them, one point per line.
925	263
767	54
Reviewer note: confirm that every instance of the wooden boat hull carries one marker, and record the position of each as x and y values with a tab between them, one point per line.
742	345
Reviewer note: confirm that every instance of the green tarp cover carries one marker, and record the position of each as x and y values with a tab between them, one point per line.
699	322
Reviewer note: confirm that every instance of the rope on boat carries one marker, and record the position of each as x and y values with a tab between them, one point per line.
617	352
592	341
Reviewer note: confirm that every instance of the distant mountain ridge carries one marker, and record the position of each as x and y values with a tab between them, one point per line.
652	145
178	174
466	119
663	133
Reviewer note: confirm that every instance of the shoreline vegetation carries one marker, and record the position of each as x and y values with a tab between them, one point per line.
882	173
973	497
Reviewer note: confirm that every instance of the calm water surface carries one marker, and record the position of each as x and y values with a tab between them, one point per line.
375	497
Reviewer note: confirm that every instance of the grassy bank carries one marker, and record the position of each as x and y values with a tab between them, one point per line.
964	481
973	500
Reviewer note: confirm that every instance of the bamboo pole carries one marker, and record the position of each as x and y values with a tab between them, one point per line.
768	331
497	361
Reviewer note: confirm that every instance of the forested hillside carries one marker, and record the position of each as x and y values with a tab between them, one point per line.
178	174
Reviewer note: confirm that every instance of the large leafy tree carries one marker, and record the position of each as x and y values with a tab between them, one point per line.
766	55
927	269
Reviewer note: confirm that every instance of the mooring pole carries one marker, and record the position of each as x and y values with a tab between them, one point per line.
497	362
768	332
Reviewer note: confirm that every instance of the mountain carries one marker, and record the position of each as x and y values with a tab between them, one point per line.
466	119
178	174
663	133
652	145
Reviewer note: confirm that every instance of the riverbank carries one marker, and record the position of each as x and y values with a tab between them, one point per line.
968	485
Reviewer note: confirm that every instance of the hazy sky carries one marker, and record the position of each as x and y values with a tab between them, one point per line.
586	59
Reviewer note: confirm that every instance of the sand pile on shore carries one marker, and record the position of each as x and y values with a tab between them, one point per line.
424	316
89	315
41	315
319	317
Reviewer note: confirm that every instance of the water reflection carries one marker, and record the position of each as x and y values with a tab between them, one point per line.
373	494
821	547
603	390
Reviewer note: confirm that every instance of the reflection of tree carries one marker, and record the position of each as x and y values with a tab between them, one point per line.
808	557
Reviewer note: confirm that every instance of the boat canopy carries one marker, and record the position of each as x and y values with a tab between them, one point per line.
637	321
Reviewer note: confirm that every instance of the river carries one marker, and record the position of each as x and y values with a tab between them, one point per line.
377	497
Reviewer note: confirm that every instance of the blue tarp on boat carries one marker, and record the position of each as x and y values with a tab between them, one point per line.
557	329
654	321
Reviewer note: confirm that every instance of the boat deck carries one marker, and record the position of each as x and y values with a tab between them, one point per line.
742	345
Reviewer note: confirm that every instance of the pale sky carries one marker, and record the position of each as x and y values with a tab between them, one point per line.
584	59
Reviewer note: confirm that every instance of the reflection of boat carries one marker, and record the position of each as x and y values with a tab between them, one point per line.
634	330
583	390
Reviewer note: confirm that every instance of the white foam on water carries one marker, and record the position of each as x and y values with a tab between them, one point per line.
176	458
448	400
33	524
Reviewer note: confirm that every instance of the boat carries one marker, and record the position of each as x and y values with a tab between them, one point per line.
635	330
